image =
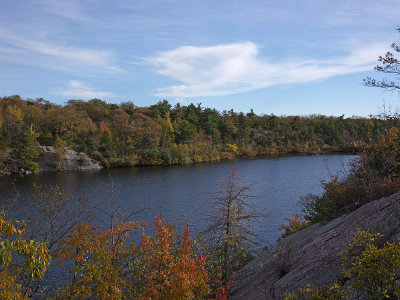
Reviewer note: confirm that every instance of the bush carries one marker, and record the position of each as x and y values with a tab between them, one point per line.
331	292
156	156
295	224
372	271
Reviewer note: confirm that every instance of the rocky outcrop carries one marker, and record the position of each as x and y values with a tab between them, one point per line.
311	256
64	158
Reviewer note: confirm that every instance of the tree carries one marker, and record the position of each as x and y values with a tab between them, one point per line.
229	237
28	149
389	64
53	213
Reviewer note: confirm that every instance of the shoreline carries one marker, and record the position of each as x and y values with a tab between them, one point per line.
23	172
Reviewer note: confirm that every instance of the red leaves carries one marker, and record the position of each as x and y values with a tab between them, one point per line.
163	266
172	270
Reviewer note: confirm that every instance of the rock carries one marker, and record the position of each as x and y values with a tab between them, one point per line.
62	159
311	256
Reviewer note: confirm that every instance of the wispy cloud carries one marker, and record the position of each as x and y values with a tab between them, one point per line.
53	55
71	9
234	68
78	89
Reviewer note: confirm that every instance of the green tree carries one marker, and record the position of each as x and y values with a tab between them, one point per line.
27	149
184	132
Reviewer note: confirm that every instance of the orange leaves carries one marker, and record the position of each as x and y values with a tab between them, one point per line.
172	270
100	258
82	241
103	127
107	265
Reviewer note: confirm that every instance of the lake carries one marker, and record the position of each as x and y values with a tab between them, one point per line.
181	192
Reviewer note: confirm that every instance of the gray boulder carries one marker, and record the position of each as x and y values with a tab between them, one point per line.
63	158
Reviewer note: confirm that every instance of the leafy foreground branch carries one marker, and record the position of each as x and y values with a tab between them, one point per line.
22	262
106	265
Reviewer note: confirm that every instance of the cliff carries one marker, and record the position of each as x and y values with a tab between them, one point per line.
311	256
64	158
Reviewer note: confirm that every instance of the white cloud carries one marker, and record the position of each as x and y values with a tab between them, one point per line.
234	68
78	89
53	55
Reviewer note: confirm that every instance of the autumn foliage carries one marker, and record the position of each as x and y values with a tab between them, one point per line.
100	260
167	268
127	135
295	223
22	262
371	271
108	265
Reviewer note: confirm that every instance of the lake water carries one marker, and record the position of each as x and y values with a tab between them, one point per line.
181	192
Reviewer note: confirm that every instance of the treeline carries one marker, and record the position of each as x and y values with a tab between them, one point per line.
126	135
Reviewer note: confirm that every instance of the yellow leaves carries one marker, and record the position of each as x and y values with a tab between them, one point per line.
295	224
331	292
33	257
233	147
7	228
373	270
15	113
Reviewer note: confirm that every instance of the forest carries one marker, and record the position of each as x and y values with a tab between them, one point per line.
125	135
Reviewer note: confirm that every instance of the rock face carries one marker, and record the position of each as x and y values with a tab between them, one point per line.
311	256
63	158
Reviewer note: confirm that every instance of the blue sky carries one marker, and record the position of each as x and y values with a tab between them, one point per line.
282	57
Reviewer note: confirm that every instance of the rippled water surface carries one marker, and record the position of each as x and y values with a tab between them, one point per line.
182	191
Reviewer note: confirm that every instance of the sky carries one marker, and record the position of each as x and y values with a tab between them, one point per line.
286	57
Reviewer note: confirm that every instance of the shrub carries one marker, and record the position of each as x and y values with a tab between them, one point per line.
373	271
295	224
331	292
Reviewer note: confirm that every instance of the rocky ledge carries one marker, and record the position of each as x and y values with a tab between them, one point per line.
63	159
311	256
